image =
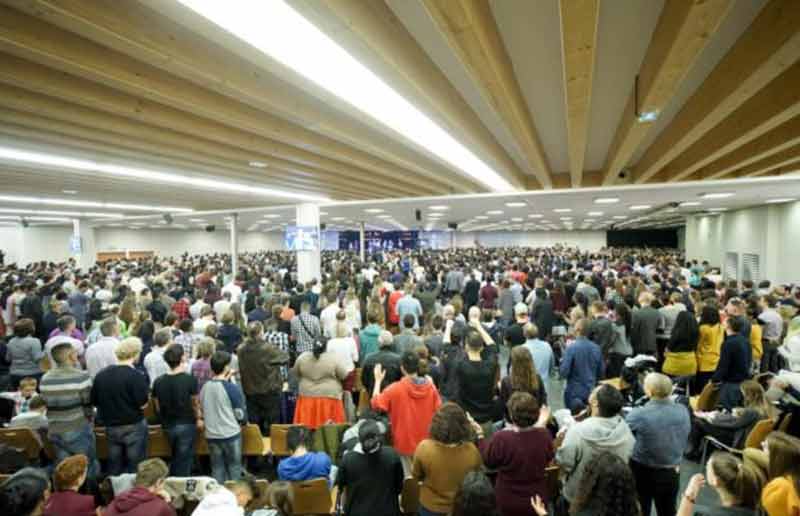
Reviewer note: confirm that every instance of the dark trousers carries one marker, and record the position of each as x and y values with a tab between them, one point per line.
264	410
770	360
657	486
614	365
700	380
181	440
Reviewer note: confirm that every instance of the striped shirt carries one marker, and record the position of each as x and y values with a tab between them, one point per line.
67	392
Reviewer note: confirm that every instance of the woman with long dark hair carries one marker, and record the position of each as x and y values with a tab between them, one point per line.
681	351
523	378
608	489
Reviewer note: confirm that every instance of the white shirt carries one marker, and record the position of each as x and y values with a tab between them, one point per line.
220	307
155	365
234	289
196	308
60	339
327	319
346	349
101	355
200	326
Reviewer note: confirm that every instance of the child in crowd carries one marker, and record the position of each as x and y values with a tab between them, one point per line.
22	396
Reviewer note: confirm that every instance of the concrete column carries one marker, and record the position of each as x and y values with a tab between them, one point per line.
234	229
361	242
82	245
308	262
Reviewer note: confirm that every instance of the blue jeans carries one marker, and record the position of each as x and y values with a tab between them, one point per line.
226	458
425	512
126	442
181	440
81	441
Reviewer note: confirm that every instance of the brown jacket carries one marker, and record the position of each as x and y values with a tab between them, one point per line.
441	469
260	367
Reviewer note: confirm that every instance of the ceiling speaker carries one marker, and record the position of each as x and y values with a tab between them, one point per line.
452	225
168	218
211	228
418	215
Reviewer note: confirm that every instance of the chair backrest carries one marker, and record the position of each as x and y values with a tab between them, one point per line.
158	443
277	438
708	398
252	441
23	439
409	499
758	433
312	497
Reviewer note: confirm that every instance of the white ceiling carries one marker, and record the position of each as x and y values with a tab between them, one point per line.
400	213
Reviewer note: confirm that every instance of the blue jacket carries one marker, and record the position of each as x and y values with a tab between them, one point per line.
661	428
305	467
581	367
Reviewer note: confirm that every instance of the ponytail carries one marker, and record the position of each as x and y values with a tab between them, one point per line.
741	480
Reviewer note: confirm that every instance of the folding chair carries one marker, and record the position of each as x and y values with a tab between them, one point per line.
277	440
312	497
708	398
755	437
22	439
253	443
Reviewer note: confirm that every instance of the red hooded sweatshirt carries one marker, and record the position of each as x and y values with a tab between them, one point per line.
138	502
411	407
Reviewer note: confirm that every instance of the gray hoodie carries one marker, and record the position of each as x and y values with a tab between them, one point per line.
586	440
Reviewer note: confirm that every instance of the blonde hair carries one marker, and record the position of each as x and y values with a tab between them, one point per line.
129	348
659	385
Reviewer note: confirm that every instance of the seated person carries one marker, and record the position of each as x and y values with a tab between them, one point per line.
279	500
230	500
68	478
147	497
23	395
25	493
730	428
35	418
303	465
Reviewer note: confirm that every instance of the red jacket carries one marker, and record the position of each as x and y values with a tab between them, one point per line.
411	407
138	502
394	297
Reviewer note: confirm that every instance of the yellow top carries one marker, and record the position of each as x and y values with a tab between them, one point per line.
708	347
756	332
780	498
680	363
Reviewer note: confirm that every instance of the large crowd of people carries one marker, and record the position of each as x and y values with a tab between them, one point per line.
488	376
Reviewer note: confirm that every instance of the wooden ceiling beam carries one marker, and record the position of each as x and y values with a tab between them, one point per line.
777	103
684	29
152	38
375	24
471	30
29	38
766	165
782	137
766	49
579	20
113	129
130	152
37	78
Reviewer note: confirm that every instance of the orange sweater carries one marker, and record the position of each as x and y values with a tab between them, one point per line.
780	498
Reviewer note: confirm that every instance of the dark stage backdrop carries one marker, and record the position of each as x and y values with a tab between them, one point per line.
642	238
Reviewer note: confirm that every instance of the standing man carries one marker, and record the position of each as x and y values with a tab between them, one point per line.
102	353
645	323
661	428
581	367
260	366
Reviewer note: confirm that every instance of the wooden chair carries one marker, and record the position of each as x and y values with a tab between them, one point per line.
618	383
22	439
312	497
253	443
409	499
158	443
708	398
277	439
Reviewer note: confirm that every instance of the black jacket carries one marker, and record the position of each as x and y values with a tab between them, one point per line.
391	364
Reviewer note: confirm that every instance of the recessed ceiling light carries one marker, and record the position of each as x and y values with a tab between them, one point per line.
384	216
620	217
517	219
156	176
90	204
258	164
689	203
439	207
535	216
374	210
516	204
717	209
606	200
589	220
284	35
337	219
779	201
323	213
640	207
566	218
595	213
648	116
562	210
494	212
481	217
435	215
69	192
716	195
272	216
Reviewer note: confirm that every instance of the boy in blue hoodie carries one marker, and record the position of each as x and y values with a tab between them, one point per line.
303	465
224	411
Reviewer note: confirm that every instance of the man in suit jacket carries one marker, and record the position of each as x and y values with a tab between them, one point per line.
644	325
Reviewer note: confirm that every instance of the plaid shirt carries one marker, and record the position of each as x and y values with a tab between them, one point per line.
187	341
181	309
303	340
281	341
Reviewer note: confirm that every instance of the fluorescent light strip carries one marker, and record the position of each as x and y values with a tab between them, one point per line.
64	213
35	218
150	175
90	204
283	34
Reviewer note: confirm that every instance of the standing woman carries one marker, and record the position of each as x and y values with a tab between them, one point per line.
681	351
622	348
320	374
781	496
442	461
24	353
711	335
523	378
352	309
